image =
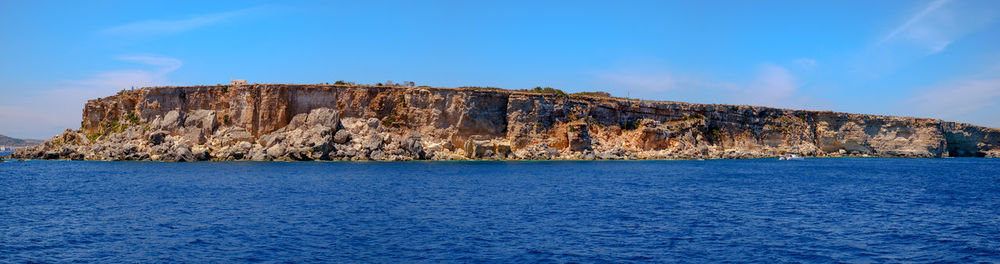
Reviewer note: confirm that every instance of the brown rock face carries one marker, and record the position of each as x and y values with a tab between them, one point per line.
578	137
341	122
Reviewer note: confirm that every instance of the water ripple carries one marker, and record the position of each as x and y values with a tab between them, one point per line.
819	210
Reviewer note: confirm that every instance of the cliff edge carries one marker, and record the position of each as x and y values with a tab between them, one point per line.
351	122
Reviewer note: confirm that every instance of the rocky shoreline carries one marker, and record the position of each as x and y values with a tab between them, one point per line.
350	122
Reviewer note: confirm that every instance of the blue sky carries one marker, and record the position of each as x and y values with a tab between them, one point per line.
938	58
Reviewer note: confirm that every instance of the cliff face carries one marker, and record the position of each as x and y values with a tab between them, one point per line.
331	122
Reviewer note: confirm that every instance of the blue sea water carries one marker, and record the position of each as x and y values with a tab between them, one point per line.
816	210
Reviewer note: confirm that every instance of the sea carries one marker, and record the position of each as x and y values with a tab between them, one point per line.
817	210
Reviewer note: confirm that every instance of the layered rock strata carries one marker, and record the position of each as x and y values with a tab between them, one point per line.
342	122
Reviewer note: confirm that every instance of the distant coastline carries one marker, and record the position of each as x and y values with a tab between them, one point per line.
9	144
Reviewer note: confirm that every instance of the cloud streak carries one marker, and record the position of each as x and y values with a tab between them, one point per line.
47	112
652	82
972	99
165	64
937	25
168	27
120	79
929	30
771	85
915	19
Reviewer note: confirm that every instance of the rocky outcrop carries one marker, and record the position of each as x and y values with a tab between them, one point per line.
342	122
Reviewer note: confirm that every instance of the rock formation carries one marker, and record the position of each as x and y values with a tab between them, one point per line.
350	122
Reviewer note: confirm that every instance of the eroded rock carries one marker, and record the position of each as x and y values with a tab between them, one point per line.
318	122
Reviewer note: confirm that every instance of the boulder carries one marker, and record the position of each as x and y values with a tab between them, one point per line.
133	133
341	137
258	153
373	143
194	135
73	137
178	152
377	155
200	153
373	123
411	143
293	153
204	120
277	150
170	122
475	149
323	117
317	142
271	139
297	122
232	135
300	140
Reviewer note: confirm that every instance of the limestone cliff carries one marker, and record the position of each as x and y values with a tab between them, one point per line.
347	122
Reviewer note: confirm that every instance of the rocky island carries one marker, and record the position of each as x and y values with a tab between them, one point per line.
377	122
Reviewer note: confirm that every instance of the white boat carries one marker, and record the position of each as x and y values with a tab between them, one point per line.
790	157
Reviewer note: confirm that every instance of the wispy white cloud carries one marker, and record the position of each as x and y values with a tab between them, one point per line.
165	64
47	112
121	79
647	81
930	29
937	25
166	27
771	85
915	19
970	99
